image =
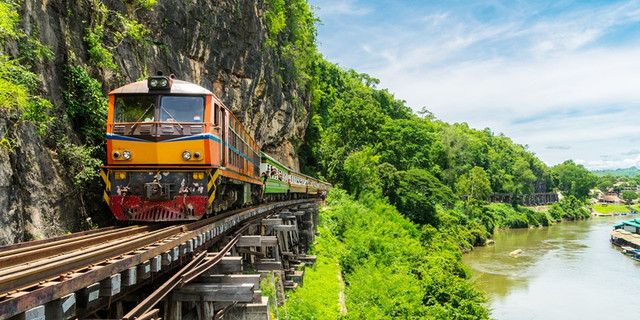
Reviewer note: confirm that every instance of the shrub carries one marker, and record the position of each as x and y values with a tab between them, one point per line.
86	105
79	160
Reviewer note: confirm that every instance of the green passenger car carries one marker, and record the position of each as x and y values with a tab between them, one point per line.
276	176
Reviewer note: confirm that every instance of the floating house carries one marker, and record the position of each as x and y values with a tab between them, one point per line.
626	233
632	226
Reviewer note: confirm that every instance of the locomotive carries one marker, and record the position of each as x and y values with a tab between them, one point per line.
175	152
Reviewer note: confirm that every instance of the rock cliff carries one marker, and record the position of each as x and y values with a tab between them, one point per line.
220	45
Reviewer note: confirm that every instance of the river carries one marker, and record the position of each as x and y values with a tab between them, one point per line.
567	271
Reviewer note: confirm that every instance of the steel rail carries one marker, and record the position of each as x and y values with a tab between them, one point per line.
153	314
201	268
30	272
43	272
24	300
28	255
62	257
28	244
33	273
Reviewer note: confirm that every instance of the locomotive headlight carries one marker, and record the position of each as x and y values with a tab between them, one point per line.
196	155
198	175
159	82
116	155
126	155
186	155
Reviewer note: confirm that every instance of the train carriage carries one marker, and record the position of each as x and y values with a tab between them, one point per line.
275	177
299	183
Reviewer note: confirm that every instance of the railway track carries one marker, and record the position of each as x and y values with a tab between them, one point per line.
32	274
23	268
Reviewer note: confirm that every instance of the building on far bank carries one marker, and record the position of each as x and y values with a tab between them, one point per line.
611	198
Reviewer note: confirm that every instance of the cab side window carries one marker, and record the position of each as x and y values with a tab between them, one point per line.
216	115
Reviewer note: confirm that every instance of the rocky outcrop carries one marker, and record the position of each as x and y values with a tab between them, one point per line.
217	44
37	198
516	253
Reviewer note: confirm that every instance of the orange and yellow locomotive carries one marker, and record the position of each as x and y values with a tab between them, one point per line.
175	152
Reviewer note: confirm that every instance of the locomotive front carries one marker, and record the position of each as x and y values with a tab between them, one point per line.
162	149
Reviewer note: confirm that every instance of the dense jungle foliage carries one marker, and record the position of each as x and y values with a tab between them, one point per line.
392	268
417	190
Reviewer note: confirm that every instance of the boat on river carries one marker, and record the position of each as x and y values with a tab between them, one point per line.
621	237
626	235
630	251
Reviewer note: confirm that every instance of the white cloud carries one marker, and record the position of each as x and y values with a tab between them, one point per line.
587	80
544	81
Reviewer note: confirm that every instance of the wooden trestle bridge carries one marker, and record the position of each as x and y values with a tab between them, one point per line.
533	199
162	271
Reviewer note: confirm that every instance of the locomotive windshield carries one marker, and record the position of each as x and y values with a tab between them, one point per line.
134	108
142	108
181	109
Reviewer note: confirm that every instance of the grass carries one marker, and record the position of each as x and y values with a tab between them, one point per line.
319	297
611	208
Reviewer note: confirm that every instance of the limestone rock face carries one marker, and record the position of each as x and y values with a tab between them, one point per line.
220	45
37	198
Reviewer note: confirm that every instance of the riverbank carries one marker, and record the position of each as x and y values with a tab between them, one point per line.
560	266
505	216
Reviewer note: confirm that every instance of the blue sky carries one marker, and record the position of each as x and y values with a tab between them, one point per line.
562	77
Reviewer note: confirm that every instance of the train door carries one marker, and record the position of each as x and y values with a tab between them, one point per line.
223	136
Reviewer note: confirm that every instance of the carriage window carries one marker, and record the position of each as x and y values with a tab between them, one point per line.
181	109
134	108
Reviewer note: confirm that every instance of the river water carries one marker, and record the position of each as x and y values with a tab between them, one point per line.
567	271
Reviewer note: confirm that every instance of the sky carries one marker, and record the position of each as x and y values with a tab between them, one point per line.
561	77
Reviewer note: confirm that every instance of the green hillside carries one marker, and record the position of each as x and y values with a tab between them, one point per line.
628	172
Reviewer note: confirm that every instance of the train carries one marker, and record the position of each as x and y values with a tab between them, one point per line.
175	152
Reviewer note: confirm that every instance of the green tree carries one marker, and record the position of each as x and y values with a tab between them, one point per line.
573	179
408	143
418	195
520	181
388	177
604	185
475	184
629	196
361	169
